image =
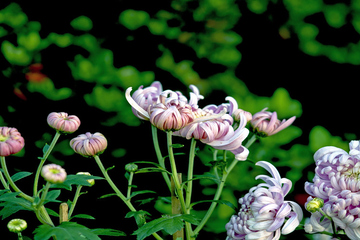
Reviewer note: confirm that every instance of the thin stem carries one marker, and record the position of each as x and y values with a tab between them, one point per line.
44	193
129	185
190	174
76	197
45	156
220	187
117	191
11	182
20	236
3	181
159	156
112	184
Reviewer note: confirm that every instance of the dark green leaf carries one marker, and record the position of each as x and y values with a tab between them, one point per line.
11	198
170	224
151	169
66	230
140	216
45	148
83	216
227	203
109	168
52	196
52	212
79	179
108	195
144	201
140	192
20	175
177	145
10	208
108	232
205	176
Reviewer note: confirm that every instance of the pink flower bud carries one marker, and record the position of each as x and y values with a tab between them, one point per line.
63	122
11	141
53	173
172	113
89	145
266	123
236	115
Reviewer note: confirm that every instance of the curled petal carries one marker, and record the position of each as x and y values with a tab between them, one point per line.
135	105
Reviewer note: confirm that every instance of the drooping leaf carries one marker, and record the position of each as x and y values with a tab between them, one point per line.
152	169
79	179
20	175
66	230
170	224
10	208
141	192
85	216
108	195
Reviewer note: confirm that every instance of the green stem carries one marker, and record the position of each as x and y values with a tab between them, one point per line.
45	156
20	236
3	181
220	187
11	182
43	194
159	156
190	174
76	197
129	185
117	191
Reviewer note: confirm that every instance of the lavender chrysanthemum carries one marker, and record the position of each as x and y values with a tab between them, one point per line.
63	122
336	181
264	214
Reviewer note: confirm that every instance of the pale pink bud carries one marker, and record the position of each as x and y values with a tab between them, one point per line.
171	113
89	145
236	115
53	173
63	122
266	123
11	141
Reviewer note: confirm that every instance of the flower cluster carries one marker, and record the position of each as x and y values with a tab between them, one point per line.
336	181
222	127
263	210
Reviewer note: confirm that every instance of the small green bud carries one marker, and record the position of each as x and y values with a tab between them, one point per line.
314	205
131	167
17	225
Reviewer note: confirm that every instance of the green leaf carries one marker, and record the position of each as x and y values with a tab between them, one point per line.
45	148
177	145
144	201
20	175
109	168
52	212
10	208
85	216
51	196
140	216
108	195
141	192
151	169
227	203
205	176
66	230
79	179
170	224
108	232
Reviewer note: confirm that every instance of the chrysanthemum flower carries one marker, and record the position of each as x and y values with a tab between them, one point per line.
234	110
53	173
264	214
336	181
146	97
213	126
89	145
11	141
17	225
63	122
266	123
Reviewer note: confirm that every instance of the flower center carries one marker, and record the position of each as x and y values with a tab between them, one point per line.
54	171
3	138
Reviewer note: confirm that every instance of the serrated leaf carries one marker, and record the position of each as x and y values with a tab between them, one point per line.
108	232
85	216
78	179
20	175
10	208
66	230
140	216
170	224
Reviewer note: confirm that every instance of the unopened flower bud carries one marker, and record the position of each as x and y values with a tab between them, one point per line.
11	141
314	205
89	145
53	173
91	181
131	167
17	225
63	122
266	123
236	115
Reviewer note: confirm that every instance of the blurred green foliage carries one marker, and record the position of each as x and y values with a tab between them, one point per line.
216	41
